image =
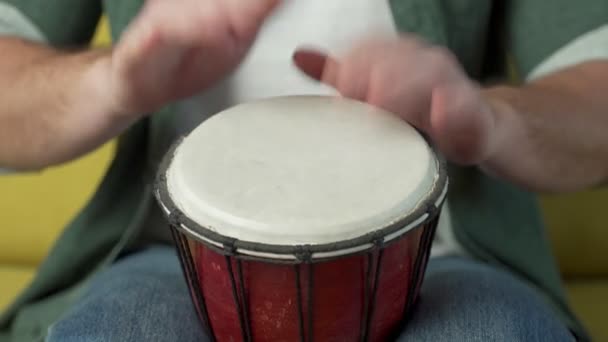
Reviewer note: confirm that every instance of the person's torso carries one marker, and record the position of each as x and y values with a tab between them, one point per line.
334	27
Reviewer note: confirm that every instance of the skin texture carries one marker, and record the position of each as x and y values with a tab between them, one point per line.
58	105
547	135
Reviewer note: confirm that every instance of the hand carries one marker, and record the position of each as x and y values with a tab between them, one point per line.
421	83
177	48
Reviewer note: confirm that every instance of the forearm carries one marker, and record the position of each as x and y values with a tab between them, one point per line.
552	134
53	106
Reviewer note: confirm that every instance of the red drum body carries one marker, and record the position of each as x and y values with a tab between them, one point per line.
285	235
363	297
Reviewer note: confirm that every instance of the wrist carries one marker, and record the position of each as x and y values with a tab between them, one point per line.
102	93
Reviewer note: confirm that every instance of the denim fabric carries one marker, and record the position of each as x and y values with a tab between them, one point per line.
143	297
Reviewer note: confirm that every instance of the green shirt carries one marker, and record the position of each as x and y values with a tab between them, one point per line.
495	222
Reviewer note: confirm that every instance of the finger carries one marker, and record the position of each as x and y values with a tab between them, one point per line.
311	63
151	48
353	80
403	91
317	65
246	17
461	125
194	23
166	33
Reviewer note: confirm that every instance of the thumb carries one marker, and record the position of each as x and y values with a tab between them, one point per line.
461	124
317	65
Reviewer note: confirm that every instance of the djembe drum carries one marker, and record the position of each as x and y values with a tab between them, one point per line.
303	218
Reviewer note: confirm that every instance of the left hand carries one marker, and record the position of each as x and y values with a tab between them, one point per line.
423	84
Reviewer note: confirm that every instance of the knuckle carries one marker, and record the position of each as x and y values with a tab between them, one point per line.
441	64
381	84
440	58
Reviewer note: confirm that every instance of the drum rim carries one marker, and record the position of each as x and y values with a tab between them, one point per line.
426	211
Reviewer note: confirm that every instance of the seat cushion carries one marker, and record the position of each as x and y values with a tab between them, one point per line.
578	228
37	206
14	279
589	299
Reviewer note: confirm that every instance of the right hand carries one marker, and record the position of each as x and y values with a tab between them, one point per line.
176	48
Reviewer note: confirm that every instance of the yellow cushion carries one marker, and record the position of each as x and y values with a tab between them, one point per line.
578	228
589	299
14	279
102	36
36	207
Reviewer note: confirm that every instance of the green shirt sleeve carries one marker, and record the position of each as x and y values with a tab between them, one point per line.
61	23
544	36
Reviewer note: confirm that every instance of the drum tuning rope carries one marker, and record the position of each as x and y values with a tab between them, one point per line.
305	257
422	258
238	290
371	286
192	277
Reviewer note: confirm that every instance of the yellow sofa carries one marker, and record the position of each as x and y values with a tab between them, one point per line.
578	228
34	208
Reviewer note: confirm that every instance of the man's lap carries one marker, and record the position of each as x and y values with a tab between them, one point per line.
464	300
143	297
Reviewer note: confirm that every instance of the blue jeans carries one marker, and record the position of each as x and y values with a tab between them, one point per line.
143	297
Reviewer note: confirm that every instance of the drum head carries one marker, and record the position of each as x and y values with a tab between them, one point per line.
323	172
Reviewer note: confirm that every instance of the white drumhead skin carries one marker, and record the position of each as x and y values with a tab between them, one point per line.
301	170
